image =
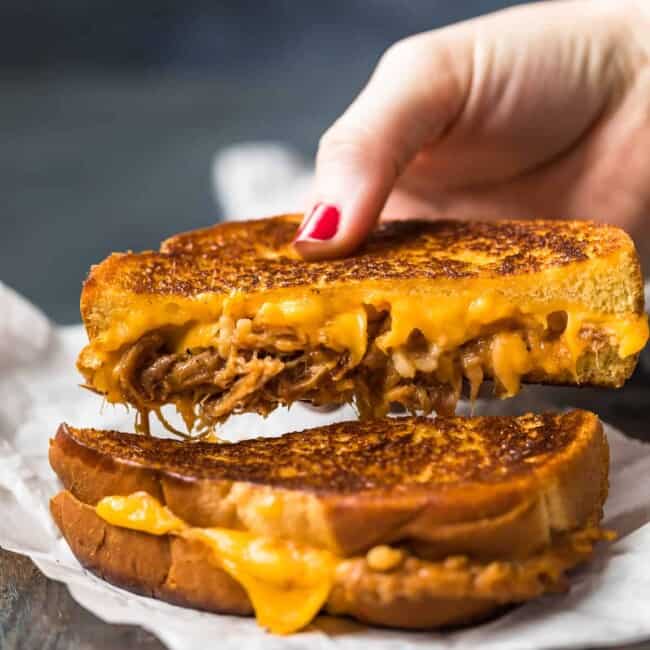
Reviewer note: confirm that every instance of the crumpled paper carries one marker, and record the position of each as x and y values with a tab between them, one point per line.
609	602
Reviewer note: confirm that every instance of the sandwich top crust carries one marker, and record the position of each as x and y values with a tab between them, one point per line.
356	456
257	255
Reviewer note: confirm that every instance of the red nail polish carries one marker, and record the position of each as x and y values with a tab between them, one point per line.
323	223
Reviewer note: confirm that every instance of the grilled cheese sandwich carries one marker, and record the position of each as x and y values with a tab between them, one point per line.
408	522
239	324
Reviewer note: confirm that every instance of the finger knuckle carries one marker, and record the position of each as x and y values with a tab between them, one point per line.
329	139
398	53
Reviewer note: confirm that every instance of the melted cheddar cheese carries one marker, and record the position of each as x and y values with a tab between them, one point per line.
510	360
339	321
139	511
287	583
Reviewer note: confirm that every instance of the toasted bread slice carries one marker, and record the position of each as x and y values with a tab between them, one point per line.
415	594
229	319
489	487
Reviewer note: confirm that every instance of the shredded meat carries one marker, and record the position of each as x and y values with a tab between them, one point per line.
255	375
135	357
249	370
156	373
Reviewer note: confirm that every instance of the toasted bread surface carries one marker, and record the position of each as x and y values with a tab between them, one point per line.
488	486
257	255
415	594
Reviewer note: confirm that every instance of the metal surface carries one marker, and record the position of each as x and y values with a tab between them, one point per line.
38	613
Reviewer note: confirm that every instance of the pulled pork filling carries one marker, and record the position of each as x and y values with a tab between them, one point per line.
256	371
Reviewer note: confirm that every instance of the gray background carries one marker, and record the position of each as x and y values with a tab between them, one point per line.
111	112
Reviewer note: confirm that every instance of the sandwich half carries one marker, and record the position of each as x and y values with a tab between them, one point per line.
408	522
229	319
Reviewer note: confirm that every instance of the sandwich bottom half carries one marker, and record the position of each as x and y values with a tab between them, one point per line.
286	585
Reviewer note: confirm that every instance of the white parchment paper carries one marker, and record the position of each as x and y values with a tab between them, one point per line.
609	602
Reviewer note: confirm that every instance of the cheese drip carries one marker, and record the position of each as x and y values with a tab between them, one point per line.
287	583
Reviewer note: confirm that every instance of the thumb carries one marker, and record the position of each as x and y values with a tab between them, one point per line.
416	91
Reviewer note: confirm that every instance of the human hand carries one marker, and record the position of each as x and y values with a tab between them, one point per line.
537	111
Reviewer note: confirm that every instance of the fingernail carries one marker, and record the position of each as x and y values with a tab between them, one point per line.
321	224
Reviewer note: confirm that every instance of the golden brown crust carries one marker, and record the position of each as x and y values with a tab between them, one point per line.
603	368
256	256
486	486
415	594
353	456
